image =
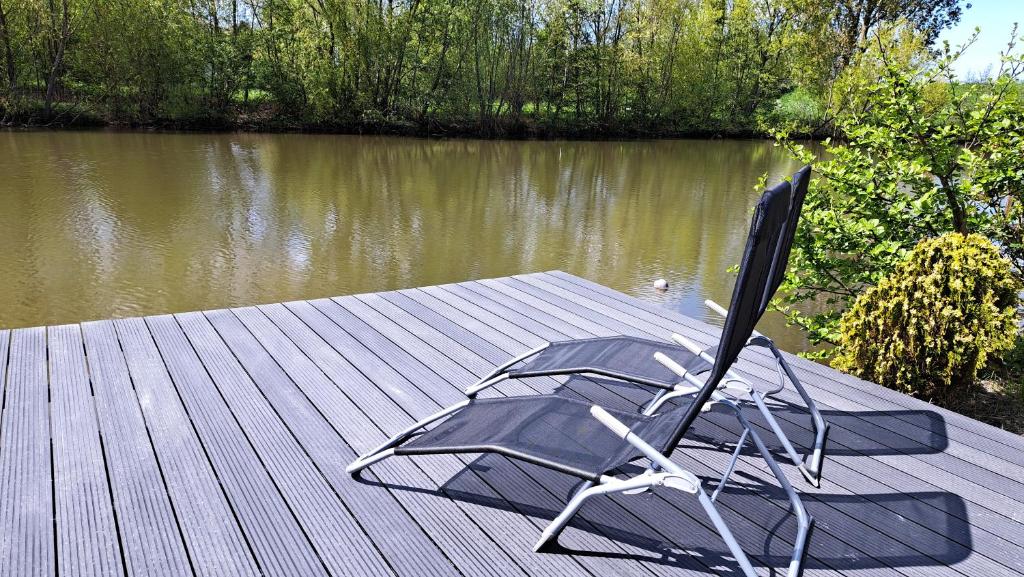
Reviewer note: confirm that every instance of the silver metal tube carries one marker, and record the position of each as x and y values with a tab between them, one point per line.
732	464
726	533
364	462
480	384
476	388
366	459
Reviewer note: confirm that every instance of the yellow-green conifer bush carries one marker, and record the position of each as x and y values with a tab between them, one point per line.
942	314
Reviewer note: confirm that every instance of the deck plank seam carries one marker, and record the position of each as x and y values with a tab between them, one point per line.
155	453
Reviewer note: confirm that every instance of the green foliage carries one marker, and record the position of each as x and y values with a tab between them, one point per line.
492	66
798	111
929	326
924	154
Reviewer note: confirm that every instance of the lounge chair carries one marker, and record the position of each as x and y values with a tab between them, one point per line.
632	359
588	442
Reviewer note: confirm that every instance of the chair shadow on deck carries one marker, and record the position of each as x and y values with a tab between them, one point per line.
922	529
854	531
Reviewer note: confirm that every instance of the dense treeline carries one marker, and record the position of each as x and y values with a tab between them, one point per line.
487	66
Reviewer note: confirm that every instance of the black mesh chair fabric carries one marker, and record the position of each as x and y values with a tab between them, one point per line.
767	229
561	434
628	358
799	185
549	430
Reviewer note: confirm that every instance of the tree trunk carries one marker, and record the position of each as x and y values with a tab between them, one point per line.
5	36
58	60
957	209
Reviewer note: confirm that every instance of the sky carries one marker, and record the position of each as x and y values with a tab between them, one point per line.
995	18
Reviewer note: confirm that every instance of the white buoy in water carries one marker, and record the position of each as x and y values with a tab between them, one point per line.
661	284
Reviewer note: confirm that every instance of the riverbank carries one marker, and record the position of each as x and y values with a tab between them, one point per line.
266	120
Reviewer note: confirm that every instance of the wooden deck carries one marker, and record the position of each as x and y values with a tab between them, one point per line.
213	443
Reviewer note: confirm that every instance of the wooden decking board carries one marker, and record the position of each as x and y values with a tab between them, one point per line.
207	521
214	443
150	538
275	536
326	522
1007	487
1012	560
87	541
407	547
26	512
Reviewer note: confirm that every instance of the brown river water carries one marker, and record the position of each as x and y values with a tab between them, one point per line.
112	224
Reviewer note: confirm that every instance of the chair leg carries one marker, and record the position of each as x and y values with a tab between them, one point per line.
726	534
732	464
781	435
386	449
805	523
818	423
678	479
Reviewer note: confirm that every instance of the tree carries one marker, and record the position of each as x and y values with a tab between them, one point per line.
925	154
858	19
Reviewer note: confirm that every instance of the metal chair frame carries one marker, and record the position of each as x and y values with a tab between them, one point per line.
661	472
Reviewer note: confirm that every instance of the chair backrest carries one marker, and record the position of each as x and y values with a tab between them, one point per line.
767	229
781	261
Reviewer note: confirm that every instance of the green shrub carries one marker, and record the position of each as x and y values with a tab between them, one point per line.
928	326
796	112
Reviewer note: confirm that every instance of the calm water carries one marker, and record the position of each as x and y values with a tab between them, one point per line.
101	224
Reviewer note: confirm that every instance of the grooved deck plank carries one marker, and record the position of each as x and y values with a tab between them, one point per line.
150	537
26	511
259	381
327	524
276	538
208	525
87	542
